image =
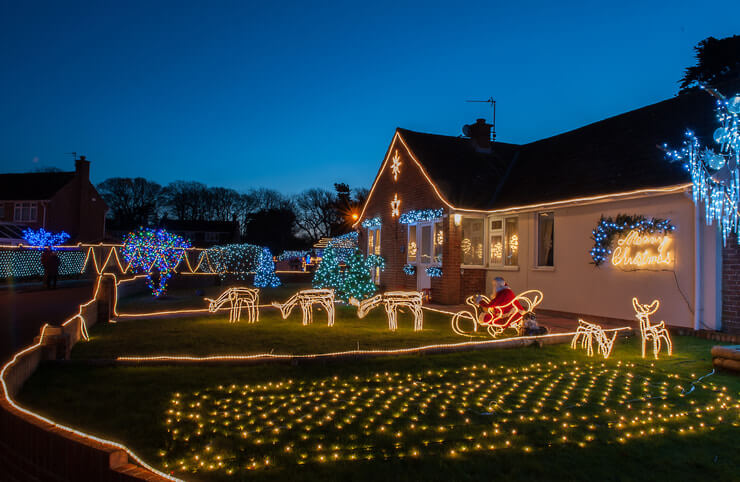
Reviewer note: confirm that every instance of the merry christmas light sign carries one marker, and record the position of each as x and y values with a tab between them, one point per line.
643	250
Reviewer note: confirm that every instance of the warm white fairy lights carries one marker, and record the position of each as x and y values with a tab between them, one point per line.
393	302
395	206
324	298
446	412
587	333
396	166
238	298
650	332
508	316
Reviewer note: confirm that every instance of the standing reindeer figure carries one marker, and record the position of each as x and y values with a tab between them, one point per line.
307	298
392	301
238	298
587	332
650	331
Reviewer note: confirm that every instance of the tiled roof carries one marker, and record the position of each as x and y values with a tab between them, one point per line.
614	155
35	186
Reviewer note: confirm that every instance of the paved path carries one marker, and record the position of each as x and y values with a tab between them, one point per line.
25	308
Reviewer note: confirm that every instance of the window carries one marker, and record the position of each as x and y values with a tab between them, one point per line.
439	239
373	247
411	248
504	242
25	212
545	238
426	244
472	241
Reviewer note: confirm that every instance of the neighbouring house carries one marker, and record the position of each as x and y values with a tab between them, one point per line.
472	209
203	234
55	201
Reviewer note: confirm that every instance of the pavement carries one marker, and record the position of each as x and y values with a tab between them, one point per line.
24	308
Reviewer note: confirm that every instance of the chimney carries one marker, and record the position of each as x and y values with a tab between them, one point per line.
82	168
480	134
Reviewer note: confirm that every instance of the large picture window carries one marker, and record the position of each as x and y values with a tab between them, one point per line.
25	212
472	241
545	238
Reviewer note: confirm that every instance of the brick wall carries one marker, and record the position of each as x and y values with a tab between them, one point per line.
473	281
731	287
414	192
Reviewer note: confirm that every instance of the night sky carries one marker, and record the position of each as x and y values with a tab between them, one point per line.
295	96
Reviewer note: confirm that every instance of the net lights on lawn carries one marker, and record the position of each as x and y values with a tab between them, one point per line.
155	252
650	332
462	411
43	238
642	233
393	301
238	298
420	215
324	298
714	171
587	333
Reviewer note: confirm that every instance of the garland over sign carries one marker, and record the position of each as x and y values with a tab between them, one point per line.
610	228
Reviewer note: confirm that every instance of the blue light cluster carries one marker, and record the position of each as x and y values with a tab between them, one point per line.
714	174
241	260
434	272
344	245
420	215
409	269
609	228
42	238
292	254
371	223
156	252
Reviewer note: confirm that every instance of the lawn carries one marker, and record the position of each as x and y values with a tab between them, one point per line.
520	414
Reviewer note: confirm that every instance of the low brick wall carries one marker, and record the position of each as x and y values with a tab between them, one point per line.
731	286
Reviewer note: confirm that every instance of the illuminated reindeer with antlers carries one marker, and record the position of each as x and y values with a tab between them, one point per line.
650	331
238	298
392	301
587	332
307	298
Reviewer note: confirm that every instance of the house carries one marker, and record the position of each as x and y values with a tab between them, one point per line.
203	234
55	201
472	209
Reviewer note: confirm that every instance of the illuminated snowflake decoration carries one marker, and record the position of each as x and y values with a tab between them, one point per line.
155	252
714	171
396	166
395	206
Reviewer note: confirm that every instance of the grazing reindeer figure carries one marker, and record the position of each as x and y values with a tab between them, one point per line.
650	331
392	301
587	332
307	298
238	298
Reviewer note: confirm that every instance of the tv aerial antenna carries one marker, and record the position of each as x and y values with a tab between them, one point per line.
74	155
492	103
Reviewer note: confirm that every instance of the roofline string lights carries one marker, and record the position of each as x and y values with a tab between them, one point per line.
715	171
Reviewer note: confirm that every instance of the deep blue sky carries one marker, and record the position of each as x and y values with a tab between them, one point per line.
294	96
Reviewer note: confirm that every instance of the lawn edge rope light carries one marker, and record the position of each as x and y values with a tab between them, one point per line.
393	300
587	332
306	299
238	298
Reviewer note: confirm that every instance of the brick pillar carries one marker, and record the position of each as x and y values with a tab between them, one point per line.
449	287
731	287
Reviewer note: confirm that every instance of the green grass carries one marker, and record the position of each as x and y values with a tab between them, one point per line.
213	334
130	404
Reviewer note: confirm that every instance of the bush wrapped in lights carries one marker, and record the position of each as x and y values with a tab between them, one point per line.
42	238
242	260
409	269
155	252
355	280
434	272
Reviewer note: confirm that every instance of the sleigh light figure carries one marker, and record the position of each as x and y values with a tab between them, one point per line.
508	316
656	332
239	298
393	301
587	333
306	299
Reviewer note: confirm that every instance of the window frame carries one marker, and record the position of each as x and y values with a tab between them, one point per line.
484	257
536	260
504	240
374	233
32	207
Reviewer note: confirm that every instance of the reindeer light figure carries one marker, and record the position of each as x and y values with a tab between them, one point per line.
238	299
393	300
587	333
649	331
306	299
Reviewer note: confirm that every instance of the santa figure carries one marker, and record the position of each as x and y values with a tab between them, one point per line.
500	304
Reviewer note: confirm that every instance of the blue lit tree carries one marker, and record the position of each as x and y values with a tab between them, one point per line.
43	238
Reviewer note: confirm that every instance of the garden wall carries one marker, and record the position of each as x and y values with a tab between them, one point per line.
731	286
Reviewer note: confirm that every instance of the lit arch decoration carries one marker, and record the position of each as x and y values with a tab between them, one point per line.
306	299
393	301
238	298
587	333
